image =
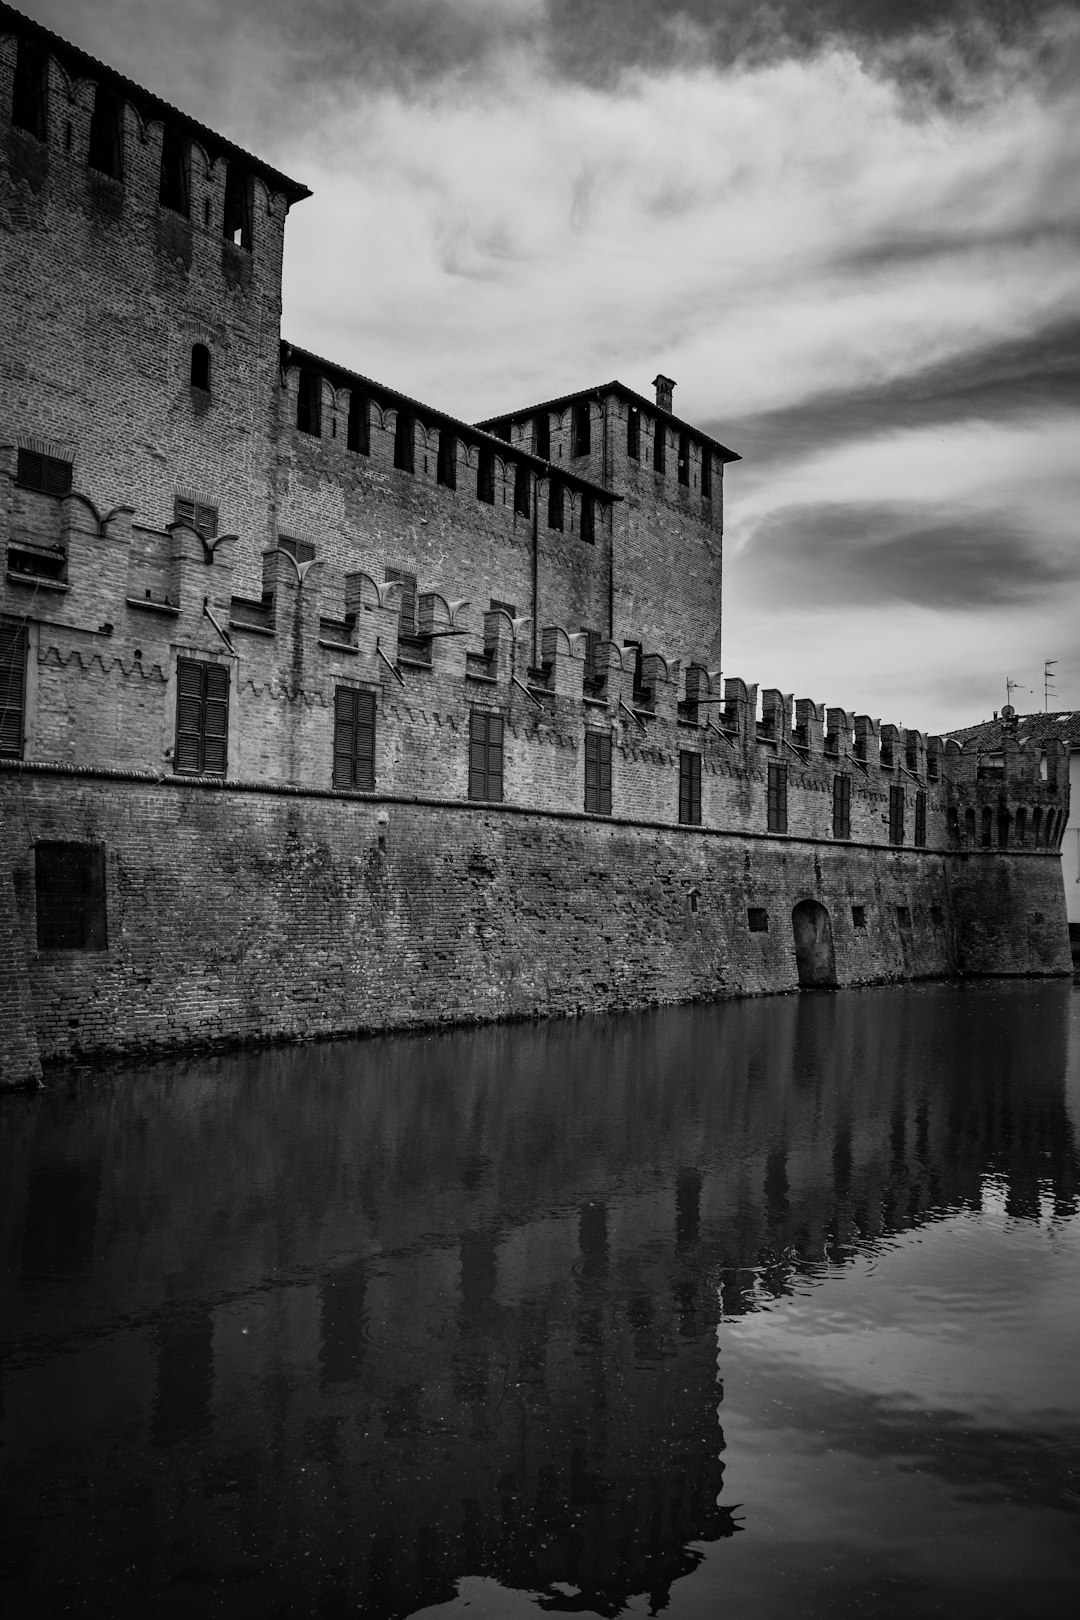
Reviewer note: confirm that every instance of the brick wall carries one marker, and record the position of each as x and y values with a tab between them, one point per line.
248	916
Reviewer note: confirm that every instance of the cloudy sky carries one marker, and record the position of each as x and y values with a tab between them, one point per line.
848	228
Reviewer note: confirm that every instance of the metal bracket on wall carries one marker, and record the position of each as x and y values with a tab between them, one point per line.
531	696
636	718
395	672
217	627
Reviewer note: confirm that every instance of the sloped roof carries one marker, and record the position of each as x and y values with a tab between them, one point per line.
292	354
148	104
1062	725
622	392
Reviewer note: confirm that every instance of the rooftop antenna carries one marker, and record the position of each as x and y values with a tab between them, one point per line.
1048	681
1012	686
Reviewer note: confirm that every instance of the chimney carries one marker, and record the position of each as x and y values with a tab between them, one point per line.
664	388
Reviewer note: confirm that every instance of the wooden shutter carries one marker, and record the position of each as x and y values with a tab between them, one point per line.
920	818
354	739
777	799
202	718
407	611
896	815
12	686
485	756
690	787
598	773
841	807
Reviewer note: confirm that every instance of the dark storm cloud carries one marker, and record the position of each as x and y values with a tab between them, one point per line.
275	55
998	382
863	554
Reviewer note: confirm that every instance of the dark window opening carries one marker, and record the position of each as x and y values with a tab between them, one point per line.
659	457
407	608
485	477
38	562
198	516
757	919
633	433
777	798
911	757
903	916
593	676
684	458
841	807
920	818
354	739
886	754
70	885
48	475
174	185
706	473
987	827
239	206
1003	828
689	788
503	607
969	825
638	691
501	430
521	489
358	431
206	212
587	524
302	550
896	815
542	435
598	773
858	916
485	756
106	150
13	645
309	402
1021	826
693	897
29	102
202	718
581	429
446	467
937	917
200	367
556	518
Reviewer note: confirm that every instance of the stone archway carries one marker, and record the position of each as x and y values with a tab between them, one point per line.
814	953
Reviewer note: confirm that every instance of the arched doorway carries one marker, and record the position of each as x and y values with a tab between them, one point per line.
814	952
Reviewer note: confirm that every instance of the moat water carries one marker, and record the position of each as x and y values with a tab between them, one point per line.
760	1309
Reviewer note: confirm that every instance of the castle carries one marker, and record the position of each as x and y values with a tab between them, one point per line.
322	711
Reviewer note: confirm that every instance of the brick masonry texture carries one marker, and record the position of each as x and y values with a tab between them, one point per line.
262	904
237	916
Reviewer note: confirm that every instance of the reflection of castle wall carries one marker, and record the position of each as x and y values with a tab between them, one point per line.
460	1291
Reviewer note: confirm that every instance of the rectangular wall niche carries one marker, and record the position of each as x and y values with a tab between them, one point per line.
70	886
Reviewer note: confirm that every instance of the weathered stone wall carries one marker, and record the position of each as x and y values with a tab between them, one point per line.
250	915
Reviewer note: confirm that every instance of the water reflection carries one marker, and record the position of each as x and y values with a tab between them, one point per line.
323	1331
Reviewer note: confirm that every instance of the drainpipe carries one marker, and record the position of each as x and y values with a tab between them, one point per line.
535	559
611	522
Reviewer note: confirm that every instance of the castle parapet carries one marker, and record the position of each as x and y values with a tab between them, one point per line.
809	732
839	733
660	686
775	723
740	711
562	657
867	746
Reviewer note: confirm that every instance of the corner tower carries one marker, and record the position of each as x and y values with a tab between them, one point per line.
665	567
146	251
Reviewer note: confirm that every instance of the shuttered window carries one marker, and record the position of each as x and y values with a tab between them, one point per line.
485	756
49	475
598	773
920	818
12	686
777	799
198	516
896	815
407	600
689	787
354	739
70	884
202	718
841	807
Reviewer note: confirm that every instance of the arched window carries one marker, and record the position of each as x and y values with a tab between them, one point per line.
1021	826
200	367
969	825
987	827
404	442
106	149
1003	821
1036	826
309	402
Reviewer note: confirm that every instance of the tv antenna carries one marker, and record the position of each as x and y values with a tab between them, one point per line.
1012	686
1048	681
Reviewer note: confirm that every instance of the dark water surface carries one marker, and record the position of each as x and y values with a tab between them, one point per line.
759	1309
